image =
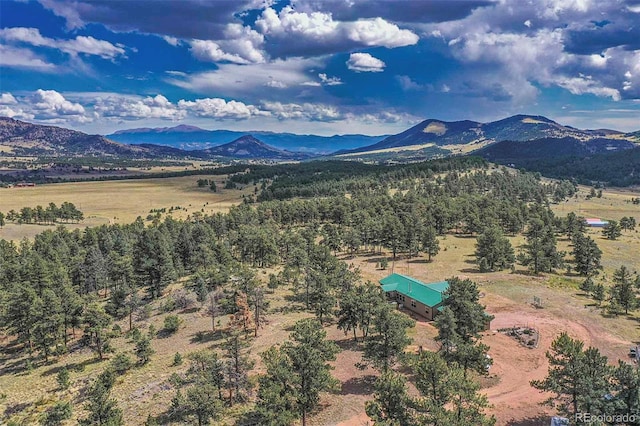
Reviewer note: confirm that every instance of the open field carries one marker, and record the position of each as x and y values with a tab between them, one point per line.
508	296
119	201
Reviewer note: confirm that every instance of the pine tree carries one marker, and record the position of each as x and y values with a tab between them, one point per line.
237	367
391	402
201	402
102	409
389	338
63	378
622	291
540	251
143	350
96	332
612	230
578	378
493	250
296	374
587	255
430	243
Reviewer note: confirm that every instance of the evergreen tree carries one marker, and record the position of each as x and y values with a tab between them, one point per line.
237	367
622	291
612	230
277	397
493	250
103	410
391	402
96	332
540	251
587	255
63	378
430	243
578	379
201	402
389	338
56	415
153	261
143	350
296	374
48	326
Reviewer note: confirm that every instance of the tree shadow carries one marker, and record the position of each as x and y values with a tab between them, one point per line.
471	271
74	366
16	408
206	336
348	343
358	385
419	260
539	420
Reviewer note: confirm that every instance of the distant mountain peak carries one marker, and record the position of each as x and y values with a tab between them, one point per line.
248	146
180	128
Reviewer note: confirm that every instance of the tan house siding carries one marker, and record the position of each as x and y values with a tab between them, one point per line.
414	306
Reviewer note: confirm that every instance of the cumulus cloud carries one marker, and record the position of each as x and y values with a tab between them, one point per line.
80	45
131	108
364	62
50	103
218	108
583	54
317	33
240	46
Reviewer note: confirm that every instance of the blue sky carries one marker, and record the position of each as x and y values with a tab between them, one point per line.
318	66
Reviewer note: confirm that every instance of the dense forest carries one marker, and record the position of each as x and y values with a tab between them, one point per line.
611	169
67	290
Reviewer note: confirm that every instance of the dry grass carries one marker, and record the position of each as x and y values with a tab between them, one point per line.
119	201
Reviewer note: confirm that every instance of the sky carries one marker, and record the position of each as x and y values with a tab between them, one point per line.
318	66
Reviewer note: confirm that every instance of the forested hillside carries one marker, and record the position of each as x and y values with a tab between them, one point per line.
71	291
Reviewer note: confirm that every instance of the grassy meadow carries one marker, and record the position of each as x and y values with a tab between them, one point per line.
119	201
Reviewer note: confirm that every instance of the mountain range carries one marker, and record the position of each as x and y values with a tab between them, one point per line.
512	139
435	137
191	138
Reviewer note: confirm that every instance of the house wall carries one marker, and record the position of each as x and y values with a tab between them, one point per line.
413	305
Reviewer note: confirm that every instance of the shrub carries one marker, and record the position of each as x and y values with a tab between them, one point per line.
63	378
121	363
172	323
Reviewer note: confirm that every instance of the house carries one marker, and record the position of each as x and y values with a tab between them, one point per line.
414	295
596	223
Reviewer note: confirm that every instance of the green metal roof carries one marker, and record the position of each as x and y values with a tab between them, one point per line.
428	294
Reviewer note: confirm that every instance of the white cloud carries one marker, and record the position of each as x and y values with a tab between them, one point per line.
317	32
364	62
378	32
50	103
7	99
304	111
133	108
23	58
236	80
218	108
9	109
81	44
585	84
329	81
173	41
276	84
407	84
242	45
